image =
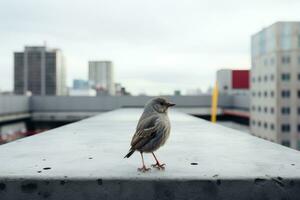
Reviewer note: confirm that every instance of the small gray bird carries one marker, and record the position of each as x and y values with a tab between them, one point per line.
152	131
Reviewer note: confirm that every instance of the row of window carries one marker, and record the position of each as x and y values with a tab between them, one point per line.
288	143
265	94
263	78
265	109
285	128
285	60
284	77
263	124
284	94
284	110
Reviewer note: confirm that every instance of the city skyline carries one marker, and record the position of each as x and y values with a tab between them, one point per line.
157	47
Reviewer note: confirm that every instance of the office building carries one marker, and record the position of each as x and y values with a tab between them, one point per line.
233	82
101	76
39	71
275	84
80	84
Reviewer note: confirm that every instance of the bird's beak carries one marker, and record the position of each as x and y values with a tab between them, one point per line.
170	104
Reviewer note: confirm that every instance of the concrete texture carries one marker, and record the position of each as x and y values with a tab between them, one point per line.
84	160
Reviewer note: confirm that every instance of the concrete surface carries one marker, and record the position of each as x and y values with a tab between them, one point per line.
84	160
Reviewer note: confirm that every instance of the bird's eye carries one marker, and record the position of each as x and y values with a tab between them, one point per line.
161	103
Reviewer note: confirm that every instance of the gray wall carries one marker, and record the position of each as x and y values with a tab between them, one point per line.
106	103
13	104
241	102
21	104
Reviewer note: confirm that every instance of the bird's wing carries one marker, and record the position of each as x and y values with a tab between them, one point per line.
145	131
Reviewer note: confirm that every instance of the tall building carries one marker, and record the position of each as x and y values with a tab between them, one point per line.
80	84
39	71
275	84
101	76
233	81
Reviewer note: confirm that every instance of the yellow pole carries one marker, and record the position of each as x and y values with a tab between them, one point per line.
214	103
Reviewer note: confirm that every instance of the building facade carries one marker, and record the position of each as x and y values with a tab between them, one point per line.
39	71
80	84
101	76
275	84
233	82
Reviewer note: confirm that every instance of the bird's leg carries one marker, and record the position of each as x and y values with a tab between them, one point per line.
143	168
158	165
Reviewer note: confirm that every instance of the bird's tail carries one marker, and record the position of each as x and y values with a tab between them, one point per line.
131	151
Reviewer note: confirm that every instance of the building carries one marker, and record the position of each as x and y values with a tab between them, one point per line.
233	82
275	84
101	76
82	92
80	84
39	71
120	90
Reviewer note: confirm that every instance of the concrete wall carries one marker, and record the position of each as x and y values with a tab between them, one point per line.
20	104
13	104
241	102
107	103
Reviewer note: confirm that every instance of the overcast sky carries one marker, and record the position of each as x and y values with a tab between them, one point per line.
157	46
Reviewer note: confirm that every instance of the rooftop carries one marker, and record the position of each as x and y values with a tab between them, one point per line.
84	160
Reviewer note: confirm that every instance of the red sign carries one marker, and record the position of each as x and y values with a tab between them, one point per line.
240	79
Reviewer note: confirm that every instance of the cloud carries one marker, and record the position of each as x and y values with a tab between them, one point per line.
156	46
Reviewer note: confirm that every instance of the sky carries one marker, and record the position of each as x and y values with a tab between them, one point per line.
156	46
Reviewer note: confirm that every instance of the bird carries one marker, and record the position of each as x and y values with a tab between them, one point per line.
152	130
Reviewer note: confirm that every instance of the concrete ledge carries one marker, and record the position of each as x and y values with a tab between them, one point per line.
84	160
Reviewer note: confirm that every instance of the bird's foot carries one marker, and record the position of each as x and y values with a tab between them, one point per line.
159	166
144	169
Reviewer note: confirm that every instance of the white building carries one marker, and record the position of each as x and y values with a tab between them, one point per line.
275	84
101	75
233	82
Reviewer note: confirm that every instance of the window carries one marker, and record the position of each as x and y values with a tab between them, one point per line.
265	125
286	143
298	110
266	110
272	61
272	127
259	94
266	62
266	78
285	110
253	108
285	60
259	123
272	93
253	94
285	128
266	93
253	122
272	77
259	109
259	79
285	77
299	93
298	128
299	76
272	110
286	93
253	79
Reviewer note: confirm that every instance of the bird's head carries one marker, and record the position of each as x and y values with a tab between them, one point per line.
160	104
